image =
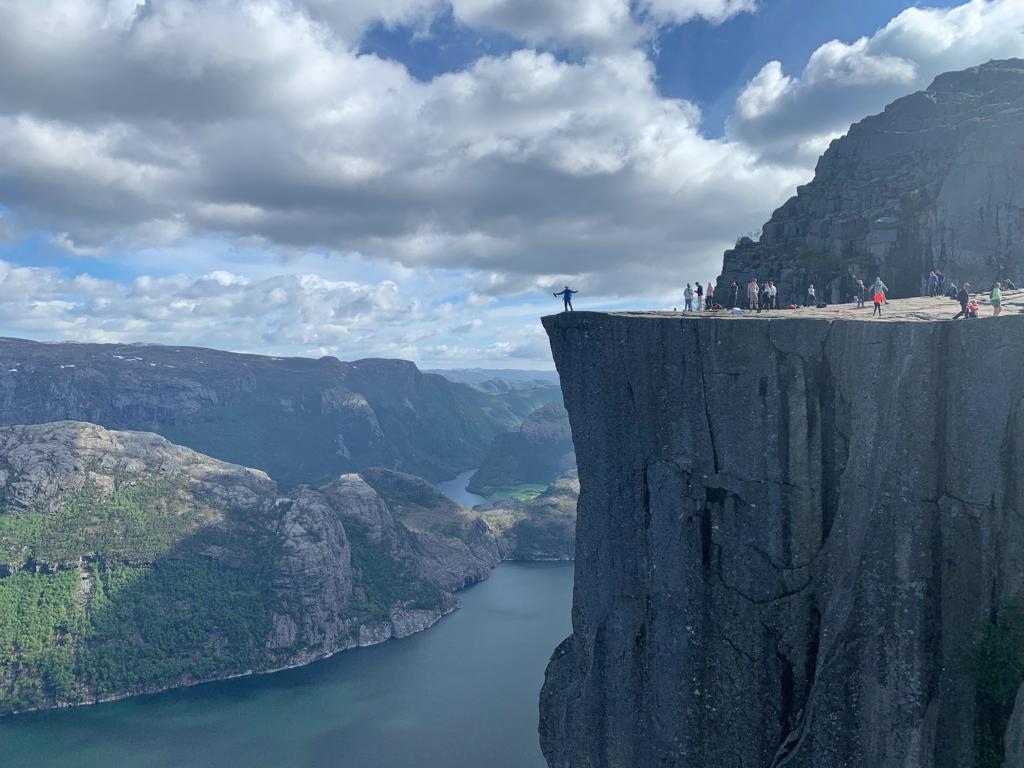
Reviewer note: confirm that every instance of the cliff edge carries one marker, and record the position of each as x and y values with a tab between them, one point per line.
794	532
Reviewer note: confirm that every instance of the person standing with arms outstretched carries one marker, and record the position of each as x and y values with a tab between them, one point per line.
566	295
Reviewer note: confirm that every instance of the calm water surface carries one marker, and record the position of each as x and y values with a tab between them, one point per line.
460	695
456	490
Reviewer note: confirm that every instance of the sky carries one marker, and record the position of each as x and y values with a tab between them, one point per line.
415	178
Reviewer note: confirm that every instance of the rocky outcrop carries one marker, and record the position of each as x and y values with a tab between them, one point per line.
536	453
129	564
792	534
545	528
298	419
929	183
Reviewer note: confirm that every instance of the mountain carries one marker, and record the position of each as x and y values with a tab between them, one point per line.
300	420
931	182
800	544
545	527
129	564
532	456
508	376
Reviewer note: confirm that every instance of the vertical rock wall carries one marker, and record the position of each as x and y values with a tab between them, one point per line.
791	533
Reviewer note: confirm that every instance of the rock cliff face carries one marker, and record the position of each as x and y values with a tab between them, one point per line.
792	534
1015	733
300	420
930	182
129	564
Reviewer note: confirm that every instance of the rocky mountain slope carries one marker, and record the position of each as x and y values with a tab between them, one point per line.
931	182
536	453
799	542
545	527
300	420
129	564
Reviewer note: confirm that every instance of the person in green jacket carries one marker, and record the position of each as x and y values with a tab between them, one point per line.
996	298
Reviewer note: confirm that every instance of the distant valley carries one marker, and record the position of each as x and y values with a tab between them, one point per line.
261	513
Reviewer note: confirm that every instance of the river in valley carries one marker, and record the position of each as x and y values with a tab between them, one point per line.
456	490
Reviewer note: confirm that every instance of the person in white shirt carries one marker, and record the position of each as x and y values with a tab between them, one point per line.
810	296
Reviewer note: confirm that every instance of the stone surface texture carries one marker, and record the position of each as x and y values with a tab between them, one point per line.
931	182
792	530
1015	734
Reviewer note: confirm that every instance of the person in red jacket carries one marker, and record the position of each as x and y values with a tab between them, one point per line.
879	298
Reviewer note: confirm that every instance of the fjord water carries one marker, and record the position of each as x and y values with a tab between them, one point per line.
460	695
456	490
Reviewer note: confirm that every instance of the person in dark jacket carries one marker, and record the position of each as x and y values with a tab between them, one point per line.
566	295
734	295
964	296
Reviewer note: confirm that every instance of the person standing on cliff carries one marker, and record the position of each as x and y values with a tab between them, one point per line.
734	295
964	297
933	283
700	297
752	293
773	294
688	298
996	299
860	294
879	297
566	295
810	300
880	287
709	297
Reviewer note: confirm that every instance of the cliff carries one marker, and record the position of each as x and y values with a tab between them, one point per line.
129	564
931	182
298	419
799	538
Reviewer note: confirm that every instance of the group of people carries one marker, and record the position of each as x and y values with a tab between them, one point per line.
969	307
761	297
699	298
764	296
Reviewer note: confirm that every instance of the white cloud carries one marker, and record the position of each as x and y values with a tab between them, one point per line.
288	313
682	11
566	22
780	115
591	24
268	130
157	128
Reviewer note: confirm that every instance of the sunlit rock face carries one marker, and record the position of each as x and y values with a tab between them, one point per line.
932	182
792	533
